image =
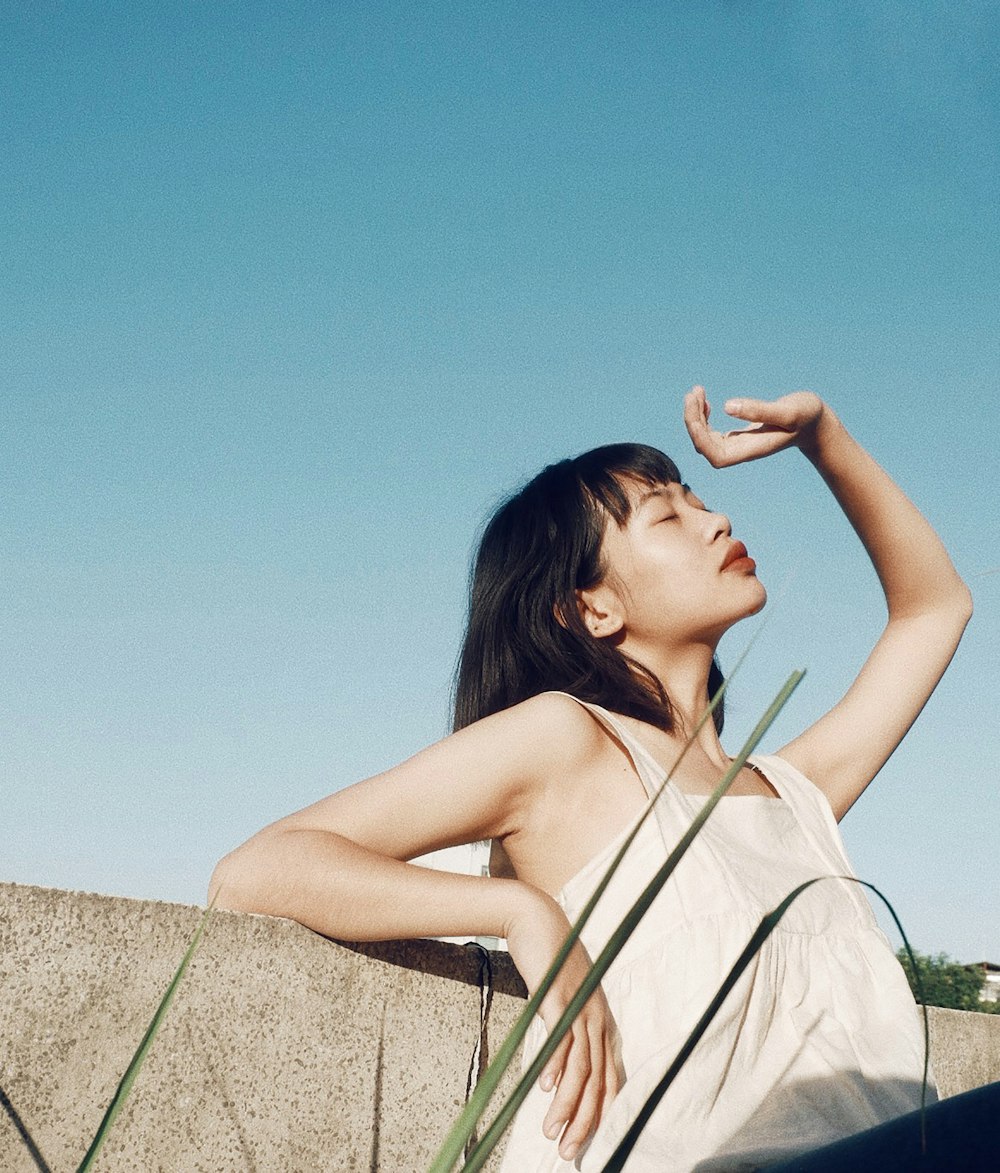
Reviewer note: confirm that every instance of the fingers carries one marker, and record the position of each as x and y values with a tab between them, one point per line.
696	408
793	412
707	441
750	409
586	1117
550	1072
773	426
568	1112
588	1079
578	1065
614	1070
780	413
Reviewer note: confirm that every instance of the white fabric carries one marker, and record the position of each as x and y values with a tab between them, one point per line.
821	1037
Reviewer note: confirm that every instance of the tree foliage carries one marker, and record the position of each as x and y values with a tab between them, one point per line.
945	982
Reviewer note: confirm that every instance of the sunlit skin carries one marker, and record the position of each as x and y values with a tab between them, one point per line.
551	789
671	589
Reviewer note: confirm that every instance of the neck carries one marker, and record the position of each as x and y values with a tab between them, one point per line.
683	674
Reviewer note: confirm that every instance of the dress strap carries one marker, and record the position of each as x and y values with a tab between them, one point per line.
650	772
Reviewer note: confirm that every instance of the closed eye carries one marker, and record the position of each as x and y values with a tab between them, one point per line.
694	500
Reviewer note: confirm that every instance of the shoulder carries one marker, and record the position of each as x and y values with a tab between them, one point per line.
510	751
484	781
521	760
547	729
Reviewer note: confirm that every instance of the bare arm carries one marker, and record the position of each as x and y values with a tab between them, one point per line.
928	604
339	867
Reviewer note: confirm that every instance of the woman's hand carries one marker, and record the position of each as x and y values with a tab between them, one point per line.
928	604
791	420
584	1066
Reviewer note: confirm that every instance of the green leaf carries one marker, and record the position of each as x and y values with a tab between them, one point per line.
616	1162
458	1136
463	1128
477	1158
128	1079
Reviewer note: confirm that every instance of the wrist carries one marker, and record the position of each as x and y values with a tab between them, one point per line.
525	904
826	432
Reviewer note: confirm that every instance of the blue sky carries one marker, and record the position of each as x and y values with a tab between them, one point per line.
292	297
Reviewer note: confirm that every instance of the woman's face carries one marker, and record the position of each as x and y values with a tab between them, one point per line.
675	571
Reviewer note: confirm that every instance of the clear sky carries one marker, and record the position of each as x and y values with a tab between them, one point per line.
293	294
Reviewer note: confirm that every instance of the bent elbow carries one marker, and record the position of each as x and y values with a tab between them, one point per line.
220	886
955	618
966	605
232	884
952	609
959	608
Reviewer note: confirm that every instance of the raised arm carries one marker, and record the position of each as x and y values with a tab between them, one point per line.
928	604
339	867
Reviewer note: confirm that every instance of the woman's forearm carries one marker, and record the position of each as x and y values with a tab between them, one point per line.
928	603
910	560
337	888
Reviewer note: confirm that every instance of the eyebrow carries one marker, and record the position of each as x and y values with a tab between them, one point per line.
659	491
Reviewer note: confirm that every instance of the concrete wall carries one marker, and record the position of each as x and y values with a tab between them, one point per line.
282	1050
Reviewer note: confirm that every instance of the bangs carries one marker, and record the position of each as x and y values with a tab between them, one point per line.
605	472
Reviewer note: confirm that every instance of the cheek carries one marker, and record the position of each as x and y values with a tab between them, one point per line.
665	589
650	578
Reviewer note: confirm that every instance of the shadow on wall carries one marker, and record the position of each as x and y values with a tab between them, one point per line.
30	1148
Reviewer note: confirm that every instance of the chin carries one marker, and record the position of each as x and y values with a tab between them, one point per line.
758	606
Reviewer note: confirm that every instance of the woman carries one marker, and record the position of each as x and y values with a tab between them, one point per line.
600	595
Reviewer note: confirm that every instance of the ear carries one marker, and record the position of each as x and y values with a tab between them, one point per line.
600	611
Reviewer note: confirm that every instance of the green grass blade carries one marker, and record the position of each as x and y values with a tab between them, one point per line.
458	1136
617	1160
923	1007
128	1079
602	962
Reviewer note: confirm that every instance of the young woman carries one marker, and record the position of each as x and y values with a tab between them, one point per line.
601	591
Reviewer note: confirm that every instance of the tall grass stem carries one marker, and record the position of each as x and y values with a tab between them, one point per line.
128	1079
602	962
456	1142
769	922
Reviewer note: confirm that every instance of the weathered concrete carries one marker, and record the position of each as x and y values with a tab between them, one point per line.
282	1050
965	1049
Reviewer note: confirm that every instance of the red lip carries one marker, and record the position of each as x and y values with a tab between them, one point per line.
737	553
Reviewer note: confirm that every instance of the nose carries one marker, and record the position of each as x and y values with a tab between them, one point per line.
718	526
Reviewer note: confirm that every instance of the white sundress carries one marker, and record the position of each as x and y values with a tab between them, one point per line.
820	1038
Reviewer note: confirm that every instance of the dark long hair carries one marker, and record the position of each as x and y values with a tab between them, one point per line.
525	634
